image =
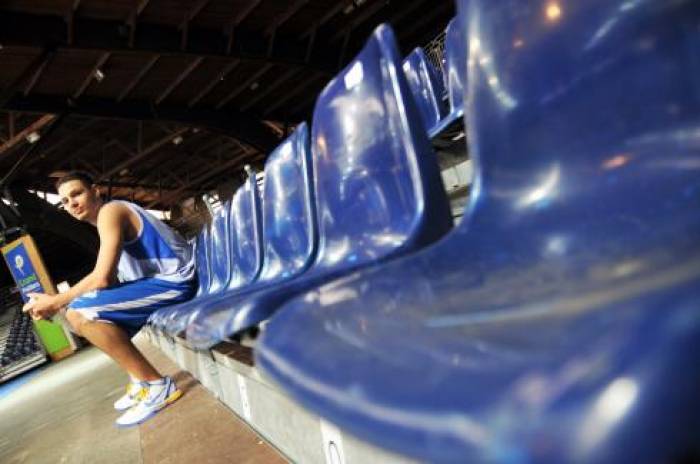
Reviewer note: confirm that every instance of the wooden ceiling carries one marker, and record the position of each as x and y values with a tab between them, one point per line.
164	99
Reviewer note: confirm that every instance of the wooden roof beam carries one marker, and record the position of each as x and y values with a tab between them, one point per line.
133	18
366	13
210	86
237	91
311	34
37	73
244	13
59	144
21	136
271	31
91	146
92	75
291	94
284	17
270	88
145	152
103	35
178	80
10	124
337	8
237	20
174	196
189	16
169	164
192	13
233	123
134	82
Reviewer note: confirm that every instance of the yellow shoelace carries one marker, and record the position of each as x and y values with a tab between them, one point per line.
142	393
136	391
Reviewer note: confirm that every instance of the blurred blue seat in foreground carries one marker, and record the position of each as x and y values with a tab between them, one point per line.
560	322
378	195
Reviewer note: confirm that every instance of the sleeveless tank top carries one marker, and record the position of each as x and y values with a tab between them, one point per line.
157	251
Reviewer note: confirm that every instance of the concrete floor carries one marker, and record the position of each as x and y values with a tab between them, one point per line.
63	414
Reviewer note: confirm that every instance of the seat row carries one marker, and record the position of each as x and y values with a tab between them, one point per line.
235	256
429	88
344	197
559	321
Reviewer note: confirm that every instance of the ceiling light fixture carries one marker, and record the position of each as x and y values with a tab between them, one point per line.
33	137
177	140
99	75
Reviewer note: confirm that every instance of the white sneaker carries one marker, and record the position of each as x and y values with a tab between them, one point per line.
152	399
130	398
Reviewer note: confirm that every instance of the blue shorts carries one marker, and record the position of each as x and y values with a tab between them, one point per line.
129	304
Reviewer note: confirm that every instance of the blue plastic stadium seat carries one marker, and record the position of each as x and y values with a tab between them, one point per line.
202	251
427	88
220	265
289	227
455	74
560	322
246	234
378	195
220	268
236	255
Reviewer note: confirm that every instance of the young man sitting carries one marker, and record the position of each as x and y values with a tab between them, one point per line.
142	265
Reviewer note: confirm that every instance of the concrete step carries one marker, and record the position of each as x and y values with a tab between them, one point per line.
229	374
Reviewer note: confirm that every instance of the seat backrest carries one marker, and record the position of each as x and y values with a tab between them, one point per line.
245	231
289	225
455	66
568	155
201	249
426	86
220	261
377	184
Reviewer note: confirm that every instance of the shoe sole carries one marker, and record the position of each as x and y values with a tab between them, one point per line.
174	396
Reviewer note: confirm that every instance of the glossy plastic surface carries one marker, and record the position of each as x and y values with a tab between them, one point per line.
455	73
245	234
235	254
202	261
289	227
377	186
377	193
289	230
427	88
560	322
221	266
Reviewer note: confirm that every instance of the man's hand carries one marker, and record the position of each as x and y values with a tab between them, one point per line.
41	306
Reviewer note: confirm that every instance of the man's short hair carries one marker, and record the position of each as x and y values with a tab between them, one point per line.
83	177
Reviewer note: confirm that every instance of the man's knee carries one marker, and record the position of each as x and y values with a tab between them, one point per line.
76	321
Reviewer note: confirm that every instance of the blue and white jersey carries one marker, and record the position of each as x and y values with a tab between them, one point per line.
157	251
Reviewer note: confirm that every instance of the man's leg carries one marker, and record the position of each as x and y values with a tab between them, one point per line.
116	343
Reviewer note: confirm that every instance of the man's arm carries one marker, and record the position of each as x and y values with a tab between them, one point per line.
110	224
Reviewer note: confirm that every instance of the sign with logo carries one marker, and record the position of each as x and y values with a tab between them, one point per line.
27	269
23	271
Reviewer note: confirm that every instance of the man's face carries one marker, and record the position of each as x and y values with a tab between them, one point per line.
80	200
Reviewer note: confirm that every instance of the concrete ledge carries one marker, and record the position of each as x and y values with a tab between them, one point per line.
228	373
